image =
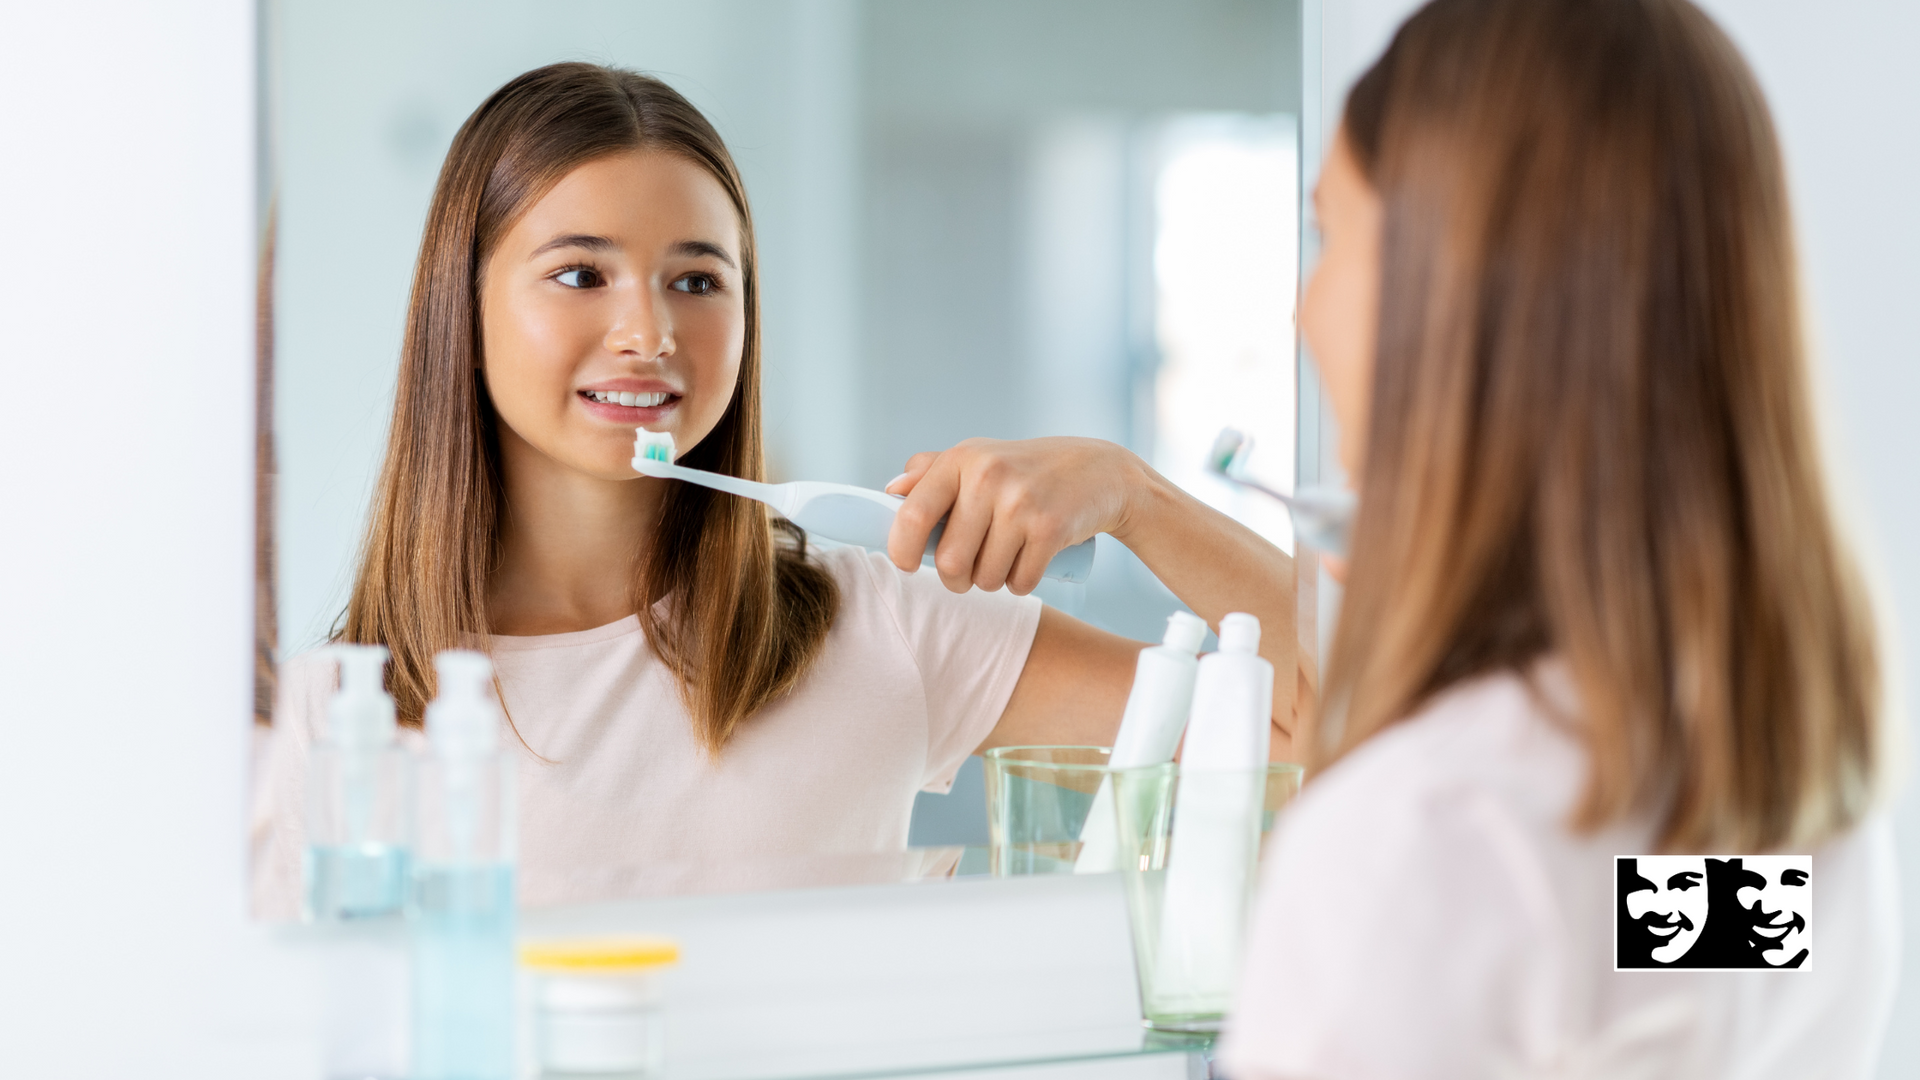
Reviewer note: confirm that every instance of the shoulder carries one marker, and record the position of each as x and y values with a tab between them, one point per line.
1493	736
916	601
306	682
1471	796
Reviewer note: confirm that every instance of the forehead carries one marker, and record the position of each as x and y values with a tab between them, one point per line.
637	197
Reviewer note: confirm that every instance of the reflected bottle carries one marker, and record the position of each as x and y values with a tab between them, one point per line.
359	799
461	906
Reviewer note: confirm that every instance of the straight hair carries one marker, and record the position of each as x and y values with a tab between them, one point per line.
1591	435
737	616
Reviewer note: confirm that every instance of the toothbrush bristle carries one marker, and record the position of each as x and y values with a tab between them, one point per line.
653	445
1228	447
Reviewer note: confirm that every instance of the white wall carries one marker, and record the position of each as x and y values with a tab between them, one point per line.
1845	93
126	297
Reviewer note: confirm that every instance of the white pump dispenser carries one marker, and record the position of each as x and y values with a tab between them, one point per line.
1150	729
361	713
463	721
1216	822
359	798
462	908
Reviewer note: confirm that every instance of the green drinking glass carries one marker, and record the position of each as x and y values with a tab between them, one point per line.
1038	798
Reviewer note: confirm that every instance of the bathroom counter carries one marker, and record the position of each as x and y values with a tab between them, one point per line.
1015	977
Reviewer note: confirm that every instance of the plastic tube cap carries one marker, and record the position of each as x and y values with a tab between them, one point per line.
1240	633
463	720
1185	632
360	716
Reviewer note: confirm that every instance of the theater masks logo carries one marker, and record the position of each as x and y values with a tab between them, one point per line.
1706	913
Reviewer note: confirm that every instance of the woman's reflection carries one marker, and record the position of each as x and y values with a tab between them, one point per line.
692	683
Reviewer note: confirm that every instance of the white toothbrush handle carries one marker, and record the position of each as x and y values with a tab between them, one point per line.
801	502
1073	565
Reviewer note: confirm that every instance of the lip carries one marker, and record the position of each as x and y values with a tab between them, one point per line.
1663	931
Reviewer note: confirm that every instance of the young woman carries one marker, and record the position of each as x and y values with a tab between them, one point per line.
1597	603
693	687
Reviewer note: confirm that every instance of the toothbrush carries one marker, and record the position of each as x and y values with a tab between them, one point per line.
1321	516
839	512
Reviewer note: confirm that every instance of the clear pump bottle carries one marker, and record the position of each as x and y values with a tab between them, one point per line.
359	799
462	902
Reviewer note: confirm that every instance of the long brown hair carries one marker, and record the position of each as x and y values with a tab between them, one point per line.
743	615
1590	432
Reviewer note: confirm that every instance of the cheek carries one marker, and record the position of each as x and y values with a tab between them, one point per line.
715	339
528	353
1336	317
1638	904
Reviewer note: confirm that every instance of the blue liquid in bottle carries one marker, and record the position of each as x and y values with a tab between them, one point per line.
355	881
463	925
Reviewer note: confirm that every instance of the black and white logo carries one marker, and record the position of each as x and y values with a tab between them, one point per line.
1704	913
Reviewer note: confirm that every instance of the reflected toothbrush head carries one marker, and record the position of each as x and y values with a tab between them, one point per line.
1230	450
651	448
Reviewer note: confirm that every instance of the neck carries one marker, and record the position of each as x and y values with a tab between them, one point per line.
570	544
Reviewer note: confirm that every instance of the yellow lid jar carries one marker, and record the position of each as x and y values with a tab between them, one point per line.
597	1005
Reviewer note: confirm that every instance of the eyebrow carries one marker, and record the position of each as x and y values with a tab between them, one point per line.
575	240
702	247
1685	877
590	242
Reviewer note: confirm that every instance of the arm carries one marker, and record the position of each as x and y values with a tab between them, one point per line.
1011	506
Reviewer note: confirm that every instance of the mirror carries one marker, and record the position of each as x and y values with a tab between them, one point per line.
1006	218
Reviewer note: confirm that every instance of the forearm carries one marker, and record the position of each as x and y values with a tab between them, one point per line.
1216	565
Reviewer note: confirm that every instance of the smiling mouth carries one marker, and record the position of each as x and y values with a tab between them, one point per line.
1778	931
628	398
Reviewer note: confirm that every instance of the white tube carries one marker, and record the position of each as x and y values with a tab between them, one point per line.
1216	822
1150	729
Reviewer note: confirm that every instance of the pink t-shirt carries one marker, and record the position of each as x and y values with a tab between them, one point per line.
1425	912
909	682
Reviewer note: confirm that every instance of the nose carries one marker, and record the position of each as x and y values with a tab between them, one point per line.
643	326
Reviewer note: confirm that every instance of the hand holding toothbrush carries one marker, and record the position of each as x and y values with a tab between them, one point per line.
1009	507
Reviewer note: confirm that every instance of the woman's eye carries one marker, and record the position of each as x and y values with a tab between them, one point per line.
578	278
697	284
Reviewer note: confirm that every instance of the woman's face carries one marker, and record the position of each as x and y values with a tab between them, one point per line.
1340	309
615	302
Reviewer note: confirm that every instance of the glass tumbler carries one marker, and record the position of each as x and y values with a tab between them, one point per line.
1190	844
1038	797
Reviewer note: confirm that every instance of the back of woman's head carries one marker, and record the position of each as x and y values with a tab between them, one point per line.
1590	432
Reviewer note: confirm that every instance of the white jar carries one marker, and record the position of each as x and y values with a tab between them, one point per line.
597	1005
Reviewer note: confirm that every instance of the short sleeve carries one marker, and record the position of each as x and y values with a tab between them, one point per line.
969	648
1390	940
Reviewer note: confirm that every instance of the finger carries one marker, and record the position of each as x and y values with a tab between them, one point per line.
960	542
1027	570
932	496
997	556
917	466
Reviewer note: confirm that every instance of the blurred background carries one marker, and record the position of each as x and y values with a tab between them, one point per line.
1004	218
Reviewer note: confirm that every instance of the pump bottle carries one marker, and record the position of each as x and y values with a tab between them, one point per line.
359	799
462	903
1150	729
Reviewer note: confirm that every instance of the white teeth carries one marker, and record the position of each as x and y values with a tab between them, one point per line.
627	398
